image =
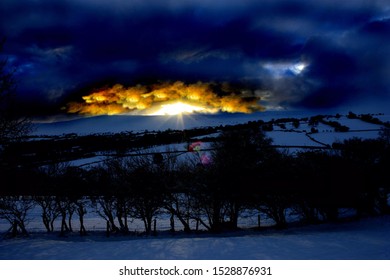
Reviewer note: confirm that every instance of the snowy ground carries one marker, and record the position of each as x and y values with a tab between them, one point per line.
365	239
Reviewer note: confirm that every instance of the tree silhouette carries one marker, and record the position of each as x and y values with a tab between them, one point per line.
14	209
224	185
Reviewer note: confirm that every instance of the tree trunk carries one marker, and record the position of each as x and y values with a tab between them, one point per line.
14	229
64	226
172	223
216	217
70	221
52	225
184	222
46	222
234	213
81	212
23	227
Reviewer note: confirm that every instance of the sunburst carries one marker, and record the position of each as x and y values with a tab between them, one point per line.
178	108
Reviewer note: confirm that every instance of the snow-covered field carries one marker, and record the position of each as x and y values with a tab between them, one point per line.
365	239
114	124
288	136
103	124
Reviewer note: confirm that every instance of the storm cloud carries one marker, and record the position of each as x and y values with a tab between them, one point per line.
287	53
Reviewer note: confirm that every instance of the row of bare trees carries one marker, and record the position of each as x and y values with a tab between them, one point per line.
244	172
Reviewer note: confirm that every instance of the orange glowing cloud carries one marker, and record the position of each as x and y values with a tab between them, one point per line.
149	100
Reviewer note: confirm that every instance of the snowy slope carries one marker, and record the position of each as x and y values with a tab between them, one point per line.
102	124
114	124
283	136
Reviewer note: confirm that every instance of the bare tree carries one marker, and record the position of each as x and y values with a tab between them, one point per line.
81	211
106	208
50	211
148	196
62	206
275	206
145	186
178	204
14	209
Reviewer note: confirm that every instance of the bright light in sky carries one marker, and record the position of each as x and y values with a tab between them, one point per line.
178	108
298	68
282	69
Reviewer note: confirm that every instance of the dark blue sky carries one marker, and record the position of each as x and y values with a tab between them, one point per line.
310	54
